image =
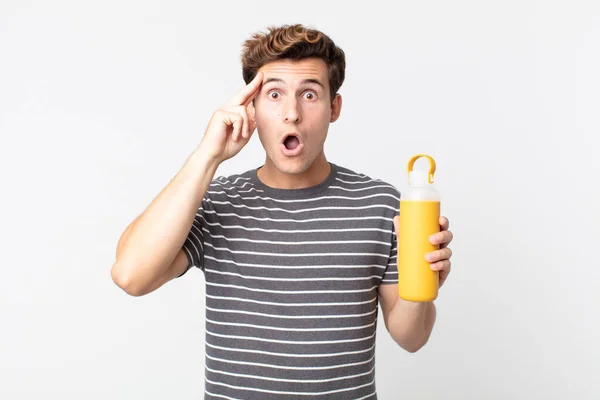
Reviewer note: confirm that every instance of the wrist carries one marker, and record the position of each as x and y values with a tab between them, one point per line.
411	307
202	160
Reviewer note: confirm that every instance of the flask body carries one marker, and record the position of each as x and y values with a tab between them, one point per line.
419	219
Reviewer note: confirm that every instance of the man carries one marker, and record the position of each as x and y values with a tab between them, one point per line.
298	253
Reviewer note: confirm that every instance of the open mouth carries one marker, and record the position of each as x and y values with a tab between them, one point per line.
291	142
291	145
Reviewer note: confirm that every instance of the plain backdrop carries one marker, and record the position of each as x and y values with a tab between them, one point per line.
101	102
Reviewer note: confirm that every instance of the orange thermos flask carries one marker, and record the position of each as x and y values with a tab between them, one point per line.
419	219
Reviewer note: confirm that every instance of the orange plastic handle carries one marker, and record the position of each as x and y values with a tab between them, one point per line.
411	163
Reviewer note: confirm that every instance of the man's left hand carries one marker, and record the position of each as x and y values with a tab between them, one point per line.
440	259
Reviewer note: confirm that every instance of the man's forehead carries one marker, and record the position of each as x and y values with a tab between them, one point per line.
297	70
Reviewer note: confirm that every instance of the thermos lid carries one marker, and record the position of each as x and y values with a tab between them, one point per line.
420	177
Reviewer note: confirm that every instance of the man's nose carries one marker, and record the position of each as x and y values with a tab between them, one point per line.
291	112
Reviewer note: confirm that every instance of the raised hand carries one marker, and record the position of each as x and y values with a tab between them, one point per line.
232	125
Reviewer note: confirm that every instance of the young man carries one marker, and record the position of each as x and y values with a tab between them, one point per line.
298	253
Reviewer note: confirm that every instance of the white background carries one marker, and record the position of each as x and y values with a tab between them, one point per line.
102	102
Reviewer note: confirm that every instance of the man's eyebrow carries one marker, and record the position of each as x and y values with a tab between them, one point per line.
312	80
305	81
268	80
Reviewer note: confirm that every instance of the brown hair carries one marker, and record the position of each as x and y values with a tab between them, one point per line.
294	42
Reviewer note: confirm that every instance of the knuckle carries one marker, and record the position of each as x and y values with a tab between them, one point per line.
224	114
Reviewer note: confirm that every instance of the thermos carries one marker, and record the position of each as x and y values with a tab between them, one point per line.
419	219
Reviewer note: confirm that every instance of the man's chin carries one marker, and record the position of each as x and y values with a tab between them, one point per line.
292	165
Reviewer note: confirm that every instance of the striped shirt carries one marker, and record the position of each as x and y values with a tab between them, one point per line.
291	284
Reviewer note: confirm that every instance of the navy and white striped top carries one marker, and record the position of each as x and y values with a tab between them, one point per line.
291	284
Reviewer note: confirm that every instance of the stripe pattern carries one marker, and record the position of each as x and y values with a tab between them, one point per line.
291	284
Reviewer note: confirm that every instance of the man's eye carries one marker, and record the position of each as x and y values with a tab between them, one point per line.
310	95
274	95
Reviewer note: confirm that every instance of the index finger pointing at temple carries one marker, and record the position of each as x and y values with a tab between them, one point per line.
246	95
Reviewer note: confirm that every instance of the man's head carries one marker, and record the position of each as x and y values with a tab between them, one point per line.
302	71
294	42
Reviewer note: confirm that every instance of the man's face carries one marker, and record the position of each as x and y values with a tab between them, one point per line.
293	112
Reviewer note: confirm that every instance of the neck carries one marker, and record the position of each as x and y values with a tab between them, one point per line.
318	171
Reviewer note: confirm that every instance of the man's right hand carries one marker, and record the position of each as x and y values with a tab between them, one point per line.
231	126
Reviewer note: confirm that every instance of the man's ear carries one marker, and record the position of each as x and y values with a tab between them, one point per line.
336	107
253	110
